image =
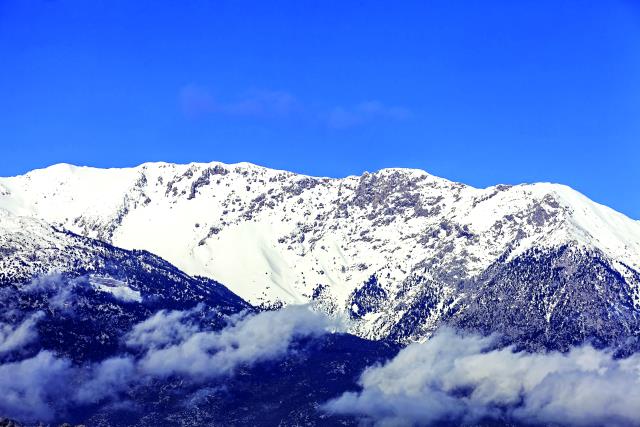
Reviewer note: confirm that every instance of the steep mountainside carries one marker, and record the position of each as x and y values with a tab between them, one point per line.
79	318
399	250
87	294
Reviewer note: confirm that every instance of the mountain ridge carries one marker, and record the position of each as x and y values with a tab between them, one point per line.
278	237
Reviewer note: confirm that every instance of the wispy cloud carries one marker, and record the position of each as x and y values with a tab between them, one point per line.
162	329
341	117
264	103
106	379
59	290
15	337
465	379
197	101
45	385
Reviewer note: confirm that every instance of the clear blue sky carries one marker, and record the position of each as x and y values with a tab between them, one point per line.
481	92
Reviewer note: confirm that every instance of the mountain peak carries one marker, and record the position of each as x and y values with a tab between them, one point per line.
397	250
275	235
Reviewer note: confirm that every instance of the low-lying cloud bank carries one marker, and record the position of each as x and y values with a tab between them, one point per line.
169	343
247	340
451	378
455	378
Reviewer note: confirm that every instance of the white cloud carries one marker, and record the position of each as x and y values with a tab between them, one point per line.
163	328
462	378
40	387
106	379
60	288
15	337
450	378
29	386
247	340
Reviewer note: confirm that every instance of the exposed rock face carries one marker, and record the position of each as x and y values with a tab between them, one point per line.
398	251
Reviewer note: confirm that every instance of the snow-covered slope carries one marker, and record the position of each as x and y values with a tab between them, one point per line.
274	236
87	294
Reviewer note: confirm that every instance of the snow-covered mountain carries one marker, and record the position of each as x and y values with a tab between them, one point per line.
79	319
89	293
399	250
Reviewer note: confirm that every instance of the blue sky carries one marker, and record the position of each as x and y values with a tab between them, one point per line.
481	92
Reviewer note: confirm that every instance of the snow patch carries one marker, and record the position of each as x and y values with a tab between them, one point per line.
119	290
